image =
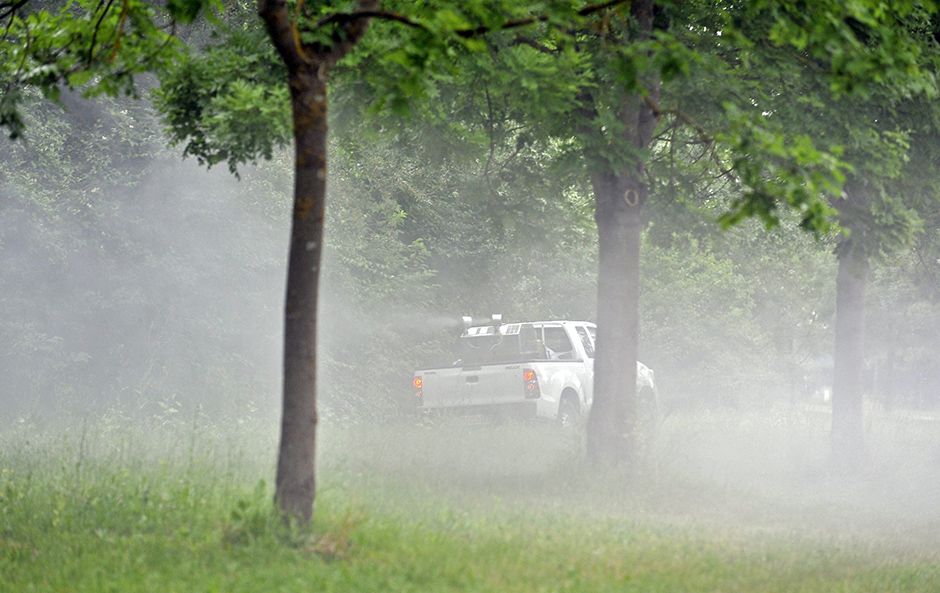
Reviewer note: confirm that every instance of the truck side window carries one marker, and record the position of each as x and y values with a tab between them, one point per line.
557	343
585	341
530	342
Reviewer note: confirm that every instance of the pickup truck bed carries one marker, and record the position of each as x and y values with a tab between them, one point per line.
544	368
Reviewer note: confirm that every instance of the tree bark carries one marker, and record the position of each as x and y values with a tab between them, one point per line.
611	435
848	442
295	482
308	67
620	190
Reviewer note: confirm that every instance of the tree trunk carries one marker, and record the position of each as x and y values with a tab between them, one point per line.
620	191
295	483
888	374
848	443
308	65
612	422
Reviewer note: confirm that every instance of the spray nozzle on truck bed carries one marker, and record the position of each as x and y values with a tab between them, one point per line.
494	320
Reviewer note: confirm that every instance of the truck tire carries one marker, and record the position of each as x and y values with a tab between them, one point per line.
569	411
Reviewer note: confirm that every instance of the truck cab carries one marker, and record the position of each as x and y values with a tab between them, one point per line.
542	368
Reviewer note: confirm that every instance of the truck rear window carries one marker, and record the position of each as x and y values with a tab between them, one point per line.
557	344
532	343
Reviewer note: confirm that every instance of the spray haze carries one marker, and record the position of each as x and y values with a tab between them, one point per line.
142	293
720	221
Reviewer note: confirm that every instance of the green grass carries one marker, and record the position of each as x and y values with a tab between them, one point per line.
493	509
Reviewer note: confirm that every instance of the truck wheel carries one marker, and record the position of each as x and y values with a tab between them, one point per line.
569	412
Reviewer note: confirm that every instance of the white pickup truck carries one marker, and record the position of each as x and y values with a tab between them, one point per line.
536	368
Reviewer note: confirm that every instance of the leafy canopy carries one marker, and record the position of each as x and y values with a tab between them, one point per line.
96	47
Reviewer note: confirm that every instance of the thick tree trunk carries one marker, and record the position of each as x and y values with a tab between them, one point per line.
848	442
620	192
295	483
612	424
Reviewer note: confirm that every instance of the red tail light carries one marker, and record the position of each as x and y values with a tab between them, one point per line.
531	380
418	384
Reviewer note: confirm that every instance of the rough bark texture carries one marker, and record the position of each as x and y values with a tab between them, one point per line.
295	481
308	68
848	441
612	423
620	192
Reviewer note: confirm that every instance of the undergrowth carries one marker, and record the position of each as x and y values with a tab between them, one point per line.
505	508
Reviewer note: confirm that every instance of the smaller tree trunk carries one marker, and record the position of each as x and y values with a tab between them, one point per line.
307	71
848	441
295	482
888	385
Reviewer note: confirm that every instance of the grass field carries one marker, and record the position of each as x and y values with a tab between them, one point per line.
734	504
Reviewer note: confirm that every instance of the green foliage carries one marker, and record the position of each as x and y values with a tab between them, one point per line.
563	80
904	312
755	68
773	167
420	232
228	103
458	180
865	46
95	47
696	302
253	520
187	11
114	258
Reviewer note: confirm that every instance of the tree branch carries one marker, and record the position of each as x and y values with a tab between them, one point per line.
283	33
94	34
540	47
514	24
8	9
348	17
681	116
350	34
343	18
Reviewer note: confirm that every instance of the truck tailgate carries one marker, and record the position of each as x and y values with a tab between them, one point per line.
443	388
473	386
493	384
